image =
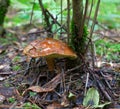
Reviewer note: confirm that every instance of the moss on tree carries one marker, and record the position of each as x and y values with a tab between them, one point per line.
3	10
78	44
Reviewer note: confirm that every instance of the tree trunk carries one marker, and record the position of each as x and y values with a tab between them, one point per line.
77	14
78	40
3	10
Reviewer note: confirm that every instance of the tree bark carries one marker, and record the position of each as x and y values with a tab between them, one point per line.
77	14
3	10
77	40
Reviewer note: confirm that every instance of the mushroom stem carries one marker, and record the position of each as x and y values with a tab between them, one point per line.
50	63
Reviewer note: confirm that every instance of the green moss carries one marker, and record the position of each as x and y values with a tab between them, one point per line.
78	44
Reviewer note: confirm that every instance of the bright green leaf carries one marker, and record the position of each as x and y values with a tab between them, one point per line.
91	98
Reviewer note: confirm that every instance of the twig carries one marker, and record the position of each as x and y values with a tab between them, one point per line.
105	80
63	80
2	106
61	6
104	92
93	25
46	17
86	83
65	9
68	20
32	12
90	13
70	70
83	20
95	17
109	37
93	54
13	105
32	61
55	21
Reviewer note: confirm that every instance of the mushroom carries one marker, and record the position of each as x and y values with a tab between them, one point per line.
49	48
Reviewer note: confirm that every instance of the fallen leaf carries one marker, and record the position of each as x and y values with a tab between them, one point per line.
91	98
54	105
38	89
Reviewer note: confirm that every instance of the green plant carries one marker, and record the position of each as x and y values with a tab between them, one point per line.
9	39
108	13
11	99
16	67
30	106
32	94
107	48
16	59
92	99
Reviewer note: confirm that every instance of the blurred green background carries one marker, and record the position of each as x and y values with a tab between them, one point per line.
109	13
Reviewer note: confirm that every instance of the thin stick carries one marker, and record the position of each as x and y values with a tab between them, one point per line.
83	19
32	12
93	54
13	105
94	20
86	84
55	20
93	25
46	17
90	13
61	15
68	20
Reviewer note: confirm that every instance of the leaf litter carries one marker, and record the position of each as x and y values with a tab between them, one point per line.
52	88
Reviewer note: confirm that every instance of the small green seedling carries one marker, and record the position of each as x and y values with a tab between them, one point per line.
30	106
16	67
92	99
11	99
32	94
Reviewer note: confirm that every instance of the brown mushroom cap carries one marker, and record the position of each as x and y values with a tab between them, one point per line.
48	47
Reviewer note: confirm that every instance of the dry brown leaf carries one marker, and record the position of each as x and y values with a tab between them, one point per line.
38	89
54	105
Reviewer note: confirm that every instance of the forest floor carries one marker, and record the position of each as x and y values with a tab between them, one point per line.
25	85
